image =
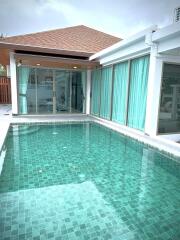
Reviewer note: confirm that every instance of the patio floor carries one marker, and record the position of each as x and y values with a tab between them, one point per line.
5	119
5	111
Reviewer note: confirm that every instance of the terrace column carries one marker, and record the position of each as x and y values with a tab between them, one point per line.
13	84
153	92
88	92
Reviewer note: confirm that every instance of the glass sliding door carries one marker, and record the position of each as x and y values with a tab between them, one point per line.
62	89
106	86
44	91
24	77
120	92
95	91
169	112
137	92
78	92
31	92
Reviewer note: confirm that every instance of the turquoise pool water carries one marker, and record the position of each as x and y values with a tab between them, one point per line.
84	181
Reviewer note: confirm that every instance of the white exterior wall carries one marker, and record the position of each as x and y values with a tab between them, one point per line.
13	84
137	49
88	91
153	92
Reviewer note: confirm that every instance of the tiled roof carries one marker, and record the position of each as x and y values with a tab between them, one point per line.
78	38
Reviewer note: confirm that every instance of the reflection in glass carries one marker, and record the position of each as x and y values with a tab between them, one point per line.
42	90
78	92
169	115
62	91
31	92
45	90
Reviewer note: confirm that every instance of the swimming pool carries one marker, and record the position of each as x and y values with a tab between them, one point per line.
85	181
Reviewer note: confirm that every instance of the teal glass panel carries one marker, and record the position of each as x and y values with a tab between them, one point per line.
138	92
31	92
62	87
120	92
106	86
23	78
78	92
44	90
95	91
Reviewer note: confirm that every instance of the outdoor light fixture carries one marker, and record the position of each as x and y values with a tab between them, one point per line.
19	63
74	67
38	64
1	67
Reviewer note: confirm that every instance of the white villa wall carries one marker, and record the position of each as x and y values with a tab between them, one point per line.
137	49
13	83
153	93
167	38
88	91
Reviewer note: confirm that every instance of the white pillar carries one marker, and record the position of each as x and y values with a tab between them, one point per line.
88	92
13	84
153	92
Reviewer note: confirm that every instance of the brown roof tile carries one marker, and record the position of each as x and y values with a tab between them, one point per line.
78	38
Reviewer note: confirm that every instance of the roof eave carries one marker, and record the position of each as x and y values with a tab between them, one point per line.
124	43
13	46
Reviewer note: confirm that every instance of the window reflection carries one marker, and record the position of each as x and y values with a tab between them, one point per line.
169	115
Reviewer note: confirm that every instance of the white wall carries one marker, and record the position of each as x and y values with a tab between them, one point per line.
136	49
153	92
88	91
13	83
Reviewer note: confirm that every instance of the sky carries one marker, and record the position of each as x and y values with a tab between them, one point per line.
121	18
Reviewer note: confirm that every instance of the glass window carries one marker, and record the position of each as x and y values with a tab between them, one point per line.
62	80
138	92
43	90
120	91
128	98
95	91
31	92
169	113
78	92
106	89
25	85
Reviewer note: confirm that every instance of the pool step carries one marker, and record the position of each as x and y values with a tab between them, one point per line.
23	130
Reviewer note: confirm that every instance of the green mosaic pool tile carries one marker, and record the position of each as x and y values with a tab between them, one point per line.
83	181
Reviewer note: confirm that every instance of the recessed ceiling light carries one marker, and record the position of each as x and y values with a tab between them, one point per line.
74	67
38	64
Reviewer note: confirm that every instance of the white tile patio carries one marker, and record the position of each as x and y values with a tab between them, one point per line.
5	119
